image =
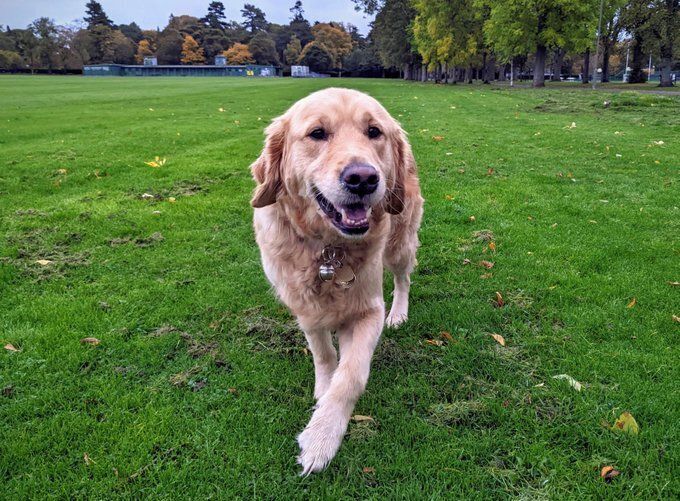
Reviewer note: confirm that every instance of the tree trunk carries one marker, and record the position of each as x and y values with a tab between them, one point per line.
606	49
637	75
501	72
468	74
558	59
586	66
423	75
406	71
491	68
539	66
666	49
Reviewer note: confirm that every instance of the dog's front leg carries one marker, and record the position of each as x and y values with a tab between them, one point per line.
321	439
325	359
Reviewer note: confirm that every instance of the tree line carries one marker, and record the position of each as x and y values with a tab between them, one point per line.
458	40
446	41
325	47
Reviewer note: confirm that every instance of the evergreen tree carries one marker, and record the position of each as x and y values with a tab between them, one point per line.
95	15
215	18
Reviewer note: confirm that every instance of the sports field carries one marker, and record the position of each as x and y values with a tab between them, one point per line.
145	356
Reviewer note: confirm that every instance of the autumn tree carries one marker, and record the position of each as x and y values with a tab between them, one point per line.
520	26
293	51
192	53
144	49
335	40
239	54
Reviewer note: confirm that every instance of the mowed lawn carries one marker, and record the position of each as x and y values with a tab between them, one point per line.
566	209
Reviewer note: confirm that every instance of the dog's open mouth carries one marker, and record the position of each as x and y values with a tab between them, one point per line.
351	218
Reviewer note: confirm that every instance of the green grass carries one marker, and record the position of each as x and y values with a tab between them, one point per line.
201	382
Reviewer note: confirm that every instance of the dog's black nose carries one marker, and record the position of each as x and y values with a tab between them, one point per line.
360	179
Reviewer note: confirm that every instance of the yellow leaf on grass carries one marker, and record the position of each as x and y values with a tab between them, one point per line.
492	247
434	342
172	200
499	300
675	318
608	473
632	303
499	339
11	347
156	162
90	340
43	262
437	138
627	424
572	382
358	418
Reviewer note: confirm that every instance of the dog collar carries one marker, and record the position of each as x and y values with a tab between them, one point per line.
333	269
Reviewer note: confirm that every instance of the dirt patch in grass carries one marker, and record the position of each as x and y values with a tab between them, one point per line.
271	334
141	242
459	412
182	188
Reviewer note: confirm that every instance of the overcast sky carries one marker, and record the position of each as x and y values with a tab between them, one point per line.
152	13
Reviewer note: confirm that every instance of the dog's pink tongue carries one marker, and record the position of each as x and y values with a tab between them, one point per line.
356	212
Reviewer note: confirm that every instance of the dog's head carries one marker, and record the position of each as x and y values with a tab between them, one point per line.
339	151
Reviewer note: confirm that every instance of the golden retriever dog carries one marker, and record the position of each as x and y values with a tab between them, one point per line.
337	198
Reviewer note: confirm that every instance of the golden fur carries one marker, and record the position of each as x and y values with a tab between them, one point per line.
292	230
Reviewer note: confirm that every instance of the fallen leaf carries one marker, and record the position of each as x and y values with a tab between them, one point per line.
172	200
572	382
368	469
358	418
675	318
461	171
434	342
466	261
43	262
93	341
492	247
446	335
11	347
499	339
674	284
486	275
88	460
539	385
499	303
156	162
489	171
632	303
62	171
233	391
473	218
147	196
608	473
626	423
487	264
437	138
554	225
221	110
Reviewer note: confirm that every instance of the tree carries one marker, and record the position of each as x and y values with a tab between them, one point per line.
95	15
45	31
255	19
299	26
293	51
612	26
636	17
192	53
169	49
392	35
144	49
664	30
215	18
262	48
317	57
336	41
10	60
121	48
132	31
521	26
239	54
297	11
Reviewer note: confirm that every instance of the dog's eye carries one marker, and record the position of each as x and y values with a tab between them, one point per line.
318	134
374	132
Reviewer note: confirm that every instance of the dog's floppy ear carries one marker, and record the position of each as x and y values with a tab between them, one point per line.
403	163
267	168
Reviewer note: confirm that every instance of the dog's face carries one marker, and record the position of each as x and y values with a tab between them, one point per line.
340	152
